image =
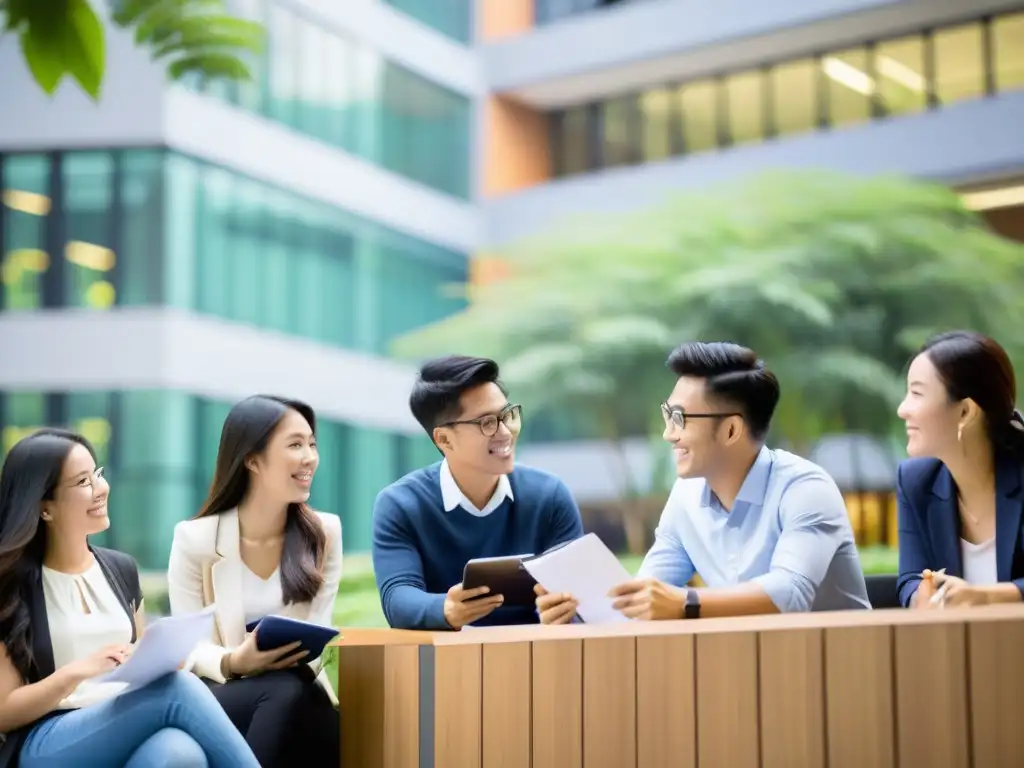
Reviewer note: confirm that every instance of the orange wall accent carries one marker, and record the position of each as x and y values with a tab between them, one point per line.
517	151
497	19
485	269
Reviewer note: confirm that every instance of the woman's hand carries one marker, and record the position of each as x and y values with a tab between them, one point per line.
103	661
954	592
247	659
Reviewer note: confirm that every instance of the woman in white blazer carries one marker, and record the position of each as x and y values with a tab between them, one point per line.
256	549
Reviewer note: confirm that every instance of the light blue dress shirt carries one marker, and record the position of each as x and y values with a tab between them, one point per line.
788	531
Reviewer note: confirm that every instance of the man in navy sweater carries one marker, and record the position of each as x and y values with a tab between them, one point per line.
474	503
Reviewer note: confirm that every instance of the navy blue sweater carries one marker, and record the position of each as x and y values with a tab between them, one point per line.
419	549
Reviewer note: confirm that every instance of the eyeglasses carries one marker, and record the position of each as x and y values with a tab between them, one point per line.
89	480
678	416
511	416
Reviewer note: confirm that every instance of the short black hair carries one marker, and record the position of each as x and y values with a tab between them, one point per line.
733	374
440	384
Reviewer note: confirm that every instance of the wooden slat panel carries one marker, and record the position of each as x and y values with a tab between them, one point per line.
666	729
361	694
507	694
792	699
558	704
859	697
609	702
931	696
457	706
997	705
727	701
401	706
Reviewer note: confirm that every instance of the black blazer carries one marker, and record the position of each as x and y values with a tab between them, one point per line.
929	522
122	573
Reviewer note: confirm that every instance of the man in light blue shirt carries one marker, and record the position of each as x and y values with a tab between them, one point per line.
767	531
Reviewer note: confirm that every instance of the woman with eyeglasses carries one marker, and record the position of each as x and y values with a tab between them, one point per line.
476	502
70	612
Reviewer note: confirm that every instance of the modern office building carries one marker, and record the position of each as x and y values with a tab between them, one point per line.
174	248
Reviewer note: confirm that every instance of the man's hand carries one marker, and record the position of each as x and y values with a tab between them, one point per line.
649	599
554	608
461	609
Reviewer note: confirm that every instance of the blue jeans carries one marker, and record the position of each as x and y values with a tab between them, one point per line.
174	722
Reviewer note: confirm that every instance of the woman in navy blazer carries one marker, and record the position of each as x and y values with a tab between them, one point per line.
961	494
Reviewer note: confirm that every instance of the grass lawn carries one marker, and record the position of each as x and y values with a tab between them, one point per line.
358	604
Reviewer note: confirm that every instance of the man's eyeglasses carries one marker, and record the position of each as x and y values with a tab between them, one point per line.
511	416
678	417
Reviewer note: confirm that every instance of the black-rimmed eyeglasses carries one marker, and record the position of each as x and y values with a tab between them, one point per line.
677	416
511	416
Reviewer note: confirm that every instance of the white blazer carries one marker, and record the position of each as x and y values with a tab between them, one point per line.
205	568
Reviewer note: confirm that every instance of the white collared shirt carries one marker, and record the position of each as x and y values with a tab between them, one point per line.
452	496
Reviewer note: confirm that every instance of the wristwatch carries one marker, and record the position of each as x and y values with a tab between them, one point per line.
691	609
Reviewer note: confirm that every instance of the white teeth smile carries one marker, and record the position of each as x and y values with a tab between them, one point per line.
303	477
505	450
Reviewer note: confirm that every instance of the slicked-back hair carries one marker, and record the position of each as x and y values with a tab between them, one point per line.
440	384
733	375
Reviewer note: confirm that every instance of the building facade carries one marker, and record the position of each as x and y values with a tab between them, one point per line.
175	248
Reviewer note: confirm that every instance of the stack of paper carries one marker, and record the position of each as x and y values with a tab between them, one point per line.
585	569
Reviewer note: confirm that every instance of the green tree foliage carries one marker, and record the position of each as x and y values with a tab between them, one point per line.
66	37
833	279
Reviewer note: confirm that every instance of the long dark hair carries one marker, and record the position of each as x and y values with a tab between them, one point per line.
246	431
29	477
971	365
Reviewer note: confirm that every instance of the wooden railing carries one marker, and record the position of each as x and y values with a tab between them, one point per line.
859	689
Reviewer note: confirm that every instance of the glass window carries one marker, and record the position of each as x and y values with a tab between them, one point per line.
656	109
21	415
699	106
284	65
89	228
332	476
425	131
327	239
794	88
249	226
959	63
214	243
849	86
154	485
141	221
745	99
452	18
339	97
1008	53
618	120
183	231
25	182
252	95
571	143
313	110
899	75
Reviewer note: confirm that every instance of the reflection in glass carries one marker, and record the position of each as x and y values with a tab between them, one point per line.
899	72
850	87
699	106
959	64
617	117
745	99
572	142
142	237
1008	53
251	95
25	181
793	91
313	115
449	17
89	227
658	124
284	65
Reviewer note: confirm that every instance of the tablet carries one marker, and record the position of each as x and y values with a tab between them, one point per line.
276	631
505	576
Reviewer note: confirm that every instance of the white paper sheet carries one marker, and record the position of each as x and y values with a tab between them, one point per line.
587	570
164	647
